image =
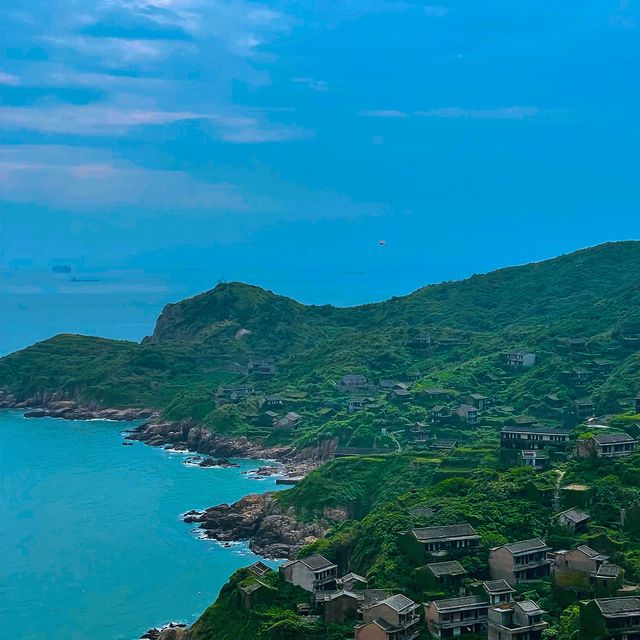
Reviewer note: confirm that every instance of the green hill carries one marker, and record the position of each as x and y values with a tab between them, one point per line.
593	295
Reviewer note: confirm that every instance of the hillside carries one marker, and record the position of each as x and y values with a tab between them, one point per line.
207	340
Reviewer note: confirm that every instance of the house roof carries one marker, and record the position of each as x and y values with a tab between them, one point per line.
591	553
528	606
399	603
292	416
612	438
520	428
451	568
464	530
316	562
618	606
525	546
517	353
477	396
272	398
456	603
435	391
584	401
271	414
608	570
371	596
438	408
575	515
353	577
498	586
401	392
465	409
443	444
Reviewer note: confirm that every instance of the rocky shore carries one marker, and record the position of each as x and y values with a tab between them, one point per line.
171	631
272	532
59	406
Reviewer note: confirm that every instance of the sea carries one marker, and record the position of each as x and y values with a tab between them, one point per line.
92	544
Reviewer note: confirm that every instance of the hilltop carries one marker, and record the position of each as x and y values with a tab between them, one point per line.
591	296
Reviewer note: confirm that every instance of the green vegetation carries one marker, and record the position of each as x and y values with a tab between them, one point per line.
580	315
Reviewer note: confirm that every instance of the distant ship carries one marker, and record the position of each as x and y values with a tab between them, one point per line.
61	268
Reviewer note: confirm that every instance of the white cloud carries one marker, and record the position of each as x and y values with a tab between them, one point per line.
90	179
8	79
312	83
100	119
501	113
383	113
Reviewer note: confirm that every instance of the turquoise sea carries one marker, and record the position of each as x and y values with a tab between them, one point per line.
91	540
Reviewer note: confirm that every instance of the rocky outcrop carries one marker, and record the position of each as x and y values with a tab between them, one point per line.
271	531
171	631
199	461
71	410
189	436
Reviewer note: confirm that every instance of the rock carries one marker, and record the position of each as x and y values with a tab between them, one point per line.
258	518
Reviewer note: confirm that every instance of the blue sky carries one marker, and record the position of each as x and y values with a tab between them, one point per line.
244	138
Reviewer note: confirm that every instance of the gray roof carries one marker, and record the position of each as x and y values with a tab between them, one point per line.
316	562
463	530
353	576
371	596
446	568
498	586
617	606
525	546
584	401
608	570
528	606
477	396
575	515
612	438
556	431
591	553
399	603
454	603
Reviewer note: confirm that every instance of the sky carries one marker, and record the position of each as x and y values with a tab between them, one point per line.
184	141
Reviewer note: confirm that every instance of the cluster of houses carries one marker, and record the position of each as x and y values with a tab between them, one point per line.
490	607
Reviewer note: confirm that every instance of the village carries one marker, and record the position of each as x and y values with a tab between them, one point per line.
491	602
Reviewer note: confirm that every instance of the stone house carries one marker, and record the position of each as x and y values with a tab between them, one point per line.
610	619
338	606
520	561
271	402
437	542
535	459
531	437
575	519
602	366
353	381
479	401
606	445
268	419
584	407
515	621
313	573
498	591
440	576
584	570
359	403
352	581
577	376
436	393
467	414
438	413
454	617
519	359
400	394
264	367
419	432
421	341
290	421
412	375
393	618
233	394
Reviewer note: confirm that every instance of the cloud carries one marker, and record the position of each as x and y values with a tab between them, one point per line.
384	113
501	113
312	83
8	79
100	119
89	179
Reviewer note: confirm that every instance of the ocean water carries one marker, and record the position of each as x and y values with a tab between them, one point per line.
91	540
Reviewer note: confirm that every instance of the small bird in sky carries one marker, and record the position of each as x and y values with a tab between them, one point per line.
382	243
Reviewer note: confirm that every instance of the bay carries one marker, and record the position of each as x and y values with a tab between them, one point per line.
92	544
